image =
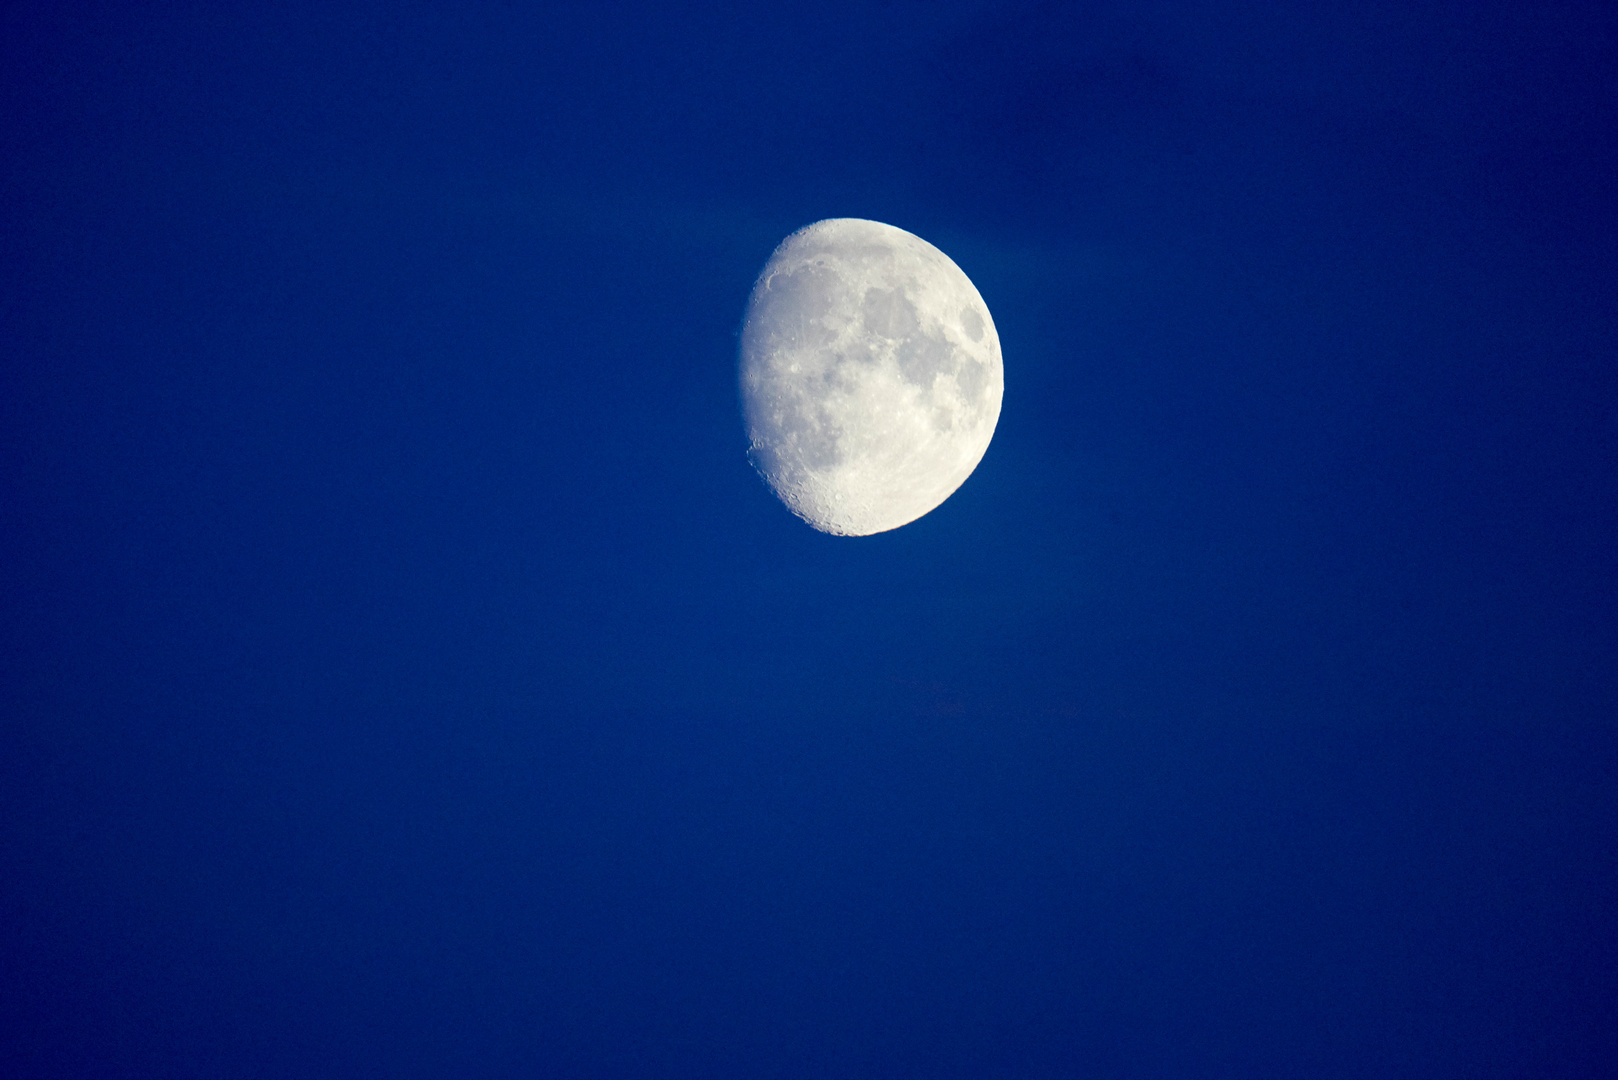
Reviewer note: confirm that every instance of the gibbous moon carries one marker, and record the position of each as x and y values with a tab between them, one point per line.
870	376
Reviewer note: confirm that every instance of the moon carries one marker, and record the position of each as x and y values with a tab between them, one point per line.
870	376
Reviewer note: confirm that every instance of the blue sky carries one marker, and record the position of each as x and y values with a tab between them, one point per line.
403	673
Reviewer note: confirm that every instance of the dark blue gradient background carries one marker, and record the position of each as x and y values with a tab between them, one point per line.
402	673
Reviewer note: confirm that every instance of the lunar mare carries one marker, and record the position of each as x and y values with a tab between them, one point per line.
870	376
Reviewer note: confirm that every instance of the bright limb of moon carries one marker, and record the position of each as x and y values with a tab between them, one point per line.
870	376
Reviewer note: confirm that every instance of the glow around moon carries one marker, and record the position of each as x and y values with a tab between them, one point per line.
870	376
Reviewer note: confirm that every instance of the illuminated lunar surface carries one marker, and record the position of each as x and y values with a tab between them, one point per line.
870	376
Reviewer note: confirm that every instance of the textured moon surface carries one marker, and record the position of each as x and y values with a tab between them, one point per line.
870	376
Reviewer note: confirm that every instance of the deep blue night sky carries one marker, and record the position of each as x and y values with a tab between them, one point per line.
403	674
